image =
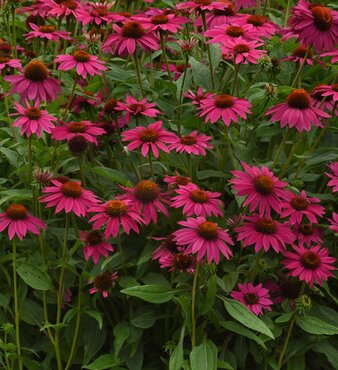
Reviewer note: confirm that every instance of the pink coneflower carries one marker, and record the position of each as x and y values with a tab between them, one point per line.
196	98
330	91
167	248
223	34
46	32
69	196
297	112
135	108
103	283
34	83
196	201
109	108
299	54
95	245
194	143
175	181
146	196
84	102
218	17
175	69
333	54
315	25
333	176
297	206
8	62
163	22
116	213
63	9
204	238
97	13
19	221
311	265
308	234
261	188
246	3
32	120
264	233
180	262
225	107
200	5
320	101
128	37
334	222
83	62
86	129
153	138
260	24
244	52
255	298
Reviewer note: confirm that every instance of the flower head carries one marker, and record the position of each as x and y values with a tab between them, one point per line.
180	262
333	176
225	33
244	51
97	13
168	247
95	245
103	283
307	233
197	97
163	21
194	143
46	32
334	222
132	107
176	181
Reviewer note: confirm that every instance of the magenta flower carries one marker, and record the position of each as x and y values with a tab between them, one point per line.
244	52
264	233
194	143
166	249
196	201
260	24
204	238
333	176
299	54
225	107
95	245
128	37
197	97
246	3
218	17
68	196
86	129
103	283
179	262
225	33
132	107
97	13
175	181
255	298
308	234
320	101
163	22
46	32
147	197
116	213
330	91
297	206
175	69
311	265
334	222
261	188
7	61
63	9
34	83
198	5
333	54
153	138
297	112
32	120
83	62
18	221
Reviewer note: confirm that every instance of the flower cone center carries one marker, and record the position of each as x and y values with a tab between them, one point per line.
306	229
182	261
251	298
116	208
234	31
33	113
146	191
46	29
264	184
149	135
310	260
94	237
17	212
256	20
322	17
208	230
266	226
159	19
241	48
71	189
77	127
132	30
299	203
224	101
81	56
36	71
199	196
103	282
188	140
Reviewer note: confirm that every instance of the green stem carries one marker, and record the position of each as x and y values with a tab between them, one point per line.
164	55
15	53
284	168
151	166
5	96
138	74
193	308
208	51
235	82
183	83
229	146
295	80
287	12
281	147
70	99
82	178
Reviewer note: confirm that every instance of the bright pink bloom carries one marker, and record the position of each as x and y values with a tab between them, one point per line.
6	61
116	213
204	238
148	198
85	129
197	97
167	248
83	62
69	196
19	221
194	143
225	107
297	112
218	17
128	37
330	91
260	24
223	34
103	283
69	8
175	69
333	176
132	107
163	22
334	222
46	32
297	206
255	298
308	234
246	3
97	13
153	138
320	101
311	265
34	83
261	188
264	233
198	5
333	54
244	52
95	245
196	201
32	120
299	54
175	181
179	262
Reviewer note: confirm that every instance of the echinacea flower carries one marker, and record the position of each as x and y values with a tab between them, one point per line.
225	107
263	190
333	176
167	248
200	5
116	213
34	83
180	262
69	196
163	22
46	32
333	54
260	24
7	61
194	143
204	238
18	221
83	62
196	201
330	91
255	298
148	198
334	222
197	97
307	233
176	181
33	120
297	206
299	54
320	101
97	13
297	112
95	245
63	9
175	69
312	265
153	138
126	38
86	129
103	283
219	17
264	233
244	52
224	33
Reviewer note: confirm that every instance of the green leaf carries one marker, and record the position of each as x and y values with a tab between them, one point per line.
328	350
206	174
151	293
285	317
95	315
177	358
144	317
34	277
204	357
121	334
113	175
313	325
200	73
239	312
103	362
